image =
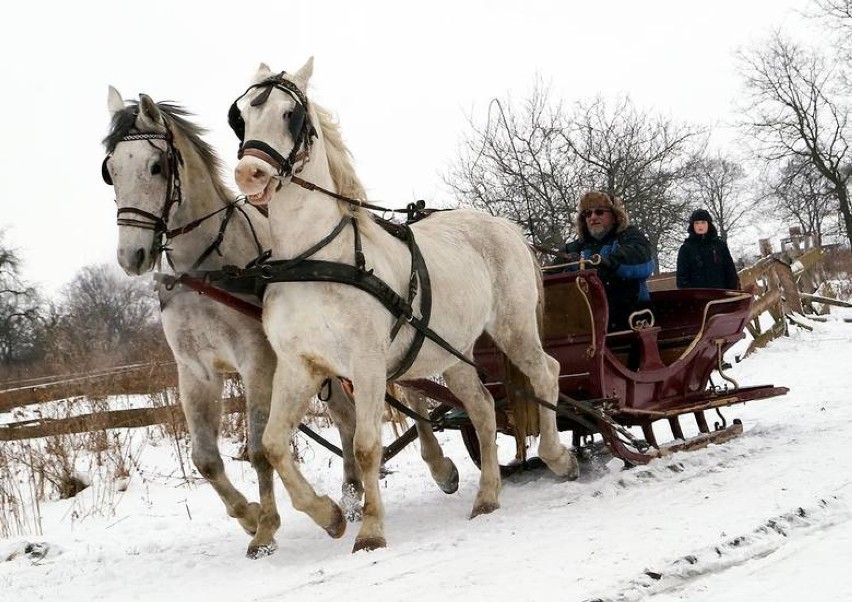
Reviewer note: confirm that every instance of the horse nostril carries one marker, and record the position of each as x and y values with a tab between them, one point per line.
140	257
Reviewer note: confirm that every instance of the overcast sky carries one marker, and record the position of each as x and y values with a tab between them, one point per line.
402	79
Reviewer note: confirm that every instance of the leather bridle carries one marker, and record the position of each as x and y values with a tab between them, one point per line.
139	218
298	122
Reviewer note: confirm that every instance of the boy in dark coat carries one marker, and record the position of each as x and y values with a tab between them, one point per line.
626	259
704	260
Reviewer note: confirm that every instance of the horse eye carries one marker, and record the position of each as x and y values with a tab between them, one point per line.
156	169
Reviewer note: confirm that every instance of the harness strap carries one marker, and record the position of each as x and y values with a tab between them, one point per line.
421	273
217	242
404	409
319	439
360	260
314	270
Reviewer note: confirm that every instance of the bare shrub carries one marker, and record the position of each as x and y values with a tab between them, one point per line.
838	267
16	517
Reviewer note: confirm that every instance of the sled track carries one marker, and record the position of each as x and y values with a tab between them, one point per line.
596	481
772	535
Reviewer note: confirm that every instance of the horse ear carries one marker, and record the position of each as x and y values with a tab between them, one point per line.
115	102
150	111
307	70
263	71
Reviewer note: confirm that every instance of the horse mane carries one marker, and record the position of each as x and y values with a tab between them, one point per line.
175	116
339	158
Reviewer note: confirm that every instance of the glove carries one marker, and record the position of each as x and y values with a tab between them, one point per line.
567	258
608	266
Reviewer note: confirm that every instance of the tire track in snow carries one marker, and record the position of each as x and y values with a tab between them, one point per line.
769	537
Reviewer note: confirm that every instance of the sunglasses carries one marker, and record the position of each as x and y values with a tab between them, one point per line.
598	212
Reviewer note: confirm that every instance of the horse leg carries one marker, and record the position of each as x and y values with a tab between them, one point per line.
341	407
201	401
528	356
258	388
369	390
463	381
293	387
443	469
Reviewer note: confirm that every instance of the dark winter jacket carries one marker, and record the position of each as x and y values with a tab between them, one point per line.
704	260
626	264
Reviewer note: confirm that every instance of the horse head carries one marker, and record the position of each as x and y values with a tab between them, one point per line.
272	151
141	165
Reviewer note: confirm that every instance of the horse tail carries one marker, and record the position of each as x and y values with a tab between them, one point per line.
523	412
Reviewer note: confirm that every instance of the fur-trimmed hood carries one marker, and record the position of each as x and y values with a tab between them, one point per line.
595	199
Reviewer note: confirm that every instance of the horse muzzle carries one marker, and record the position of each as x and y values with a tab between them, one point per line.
135	260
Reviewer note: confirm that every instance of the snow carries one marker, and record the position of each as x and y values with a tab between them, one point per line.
765	516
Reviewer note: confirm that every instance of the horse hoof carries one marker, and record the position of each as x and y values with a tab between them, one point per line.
260	551
369	543
484	508
337	527
451	484
565	465
573	471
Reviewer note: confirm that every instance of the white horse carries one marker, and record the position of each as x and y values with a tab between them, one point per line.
483	279
171	199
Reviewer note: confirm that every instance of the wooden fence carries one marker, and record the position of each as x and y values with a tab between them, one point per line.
122	380
139	379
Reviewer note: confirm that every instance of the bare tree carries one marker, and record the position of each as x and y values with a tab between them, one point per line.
104	317
803	196
720	185
531	165
837	16
839	11
795	113
518	165
643	158
19	311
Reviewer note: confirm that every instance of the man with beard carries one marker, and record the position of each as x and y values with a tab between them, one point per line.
626	262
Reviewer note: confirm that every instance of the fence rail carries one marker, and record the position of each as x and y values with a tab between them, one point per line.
98	421
138	379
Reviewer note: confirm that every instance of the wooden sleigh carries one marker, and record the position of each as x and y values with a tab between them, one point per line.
657	372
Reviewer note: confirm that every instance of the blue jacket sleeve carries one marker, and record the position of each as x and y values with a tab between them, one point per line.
633	255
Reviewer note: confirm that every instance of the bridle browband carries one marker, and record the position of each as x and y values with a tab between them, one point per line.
298	121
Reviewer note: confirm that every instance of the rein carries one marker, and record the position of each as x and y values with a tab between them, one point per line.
229	209
414	211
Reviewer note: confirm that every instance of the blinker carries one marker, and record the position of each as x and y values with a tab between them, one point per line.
105	172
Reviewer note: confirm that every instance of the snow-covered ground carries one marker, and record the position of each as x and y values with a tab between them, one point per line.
763	517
